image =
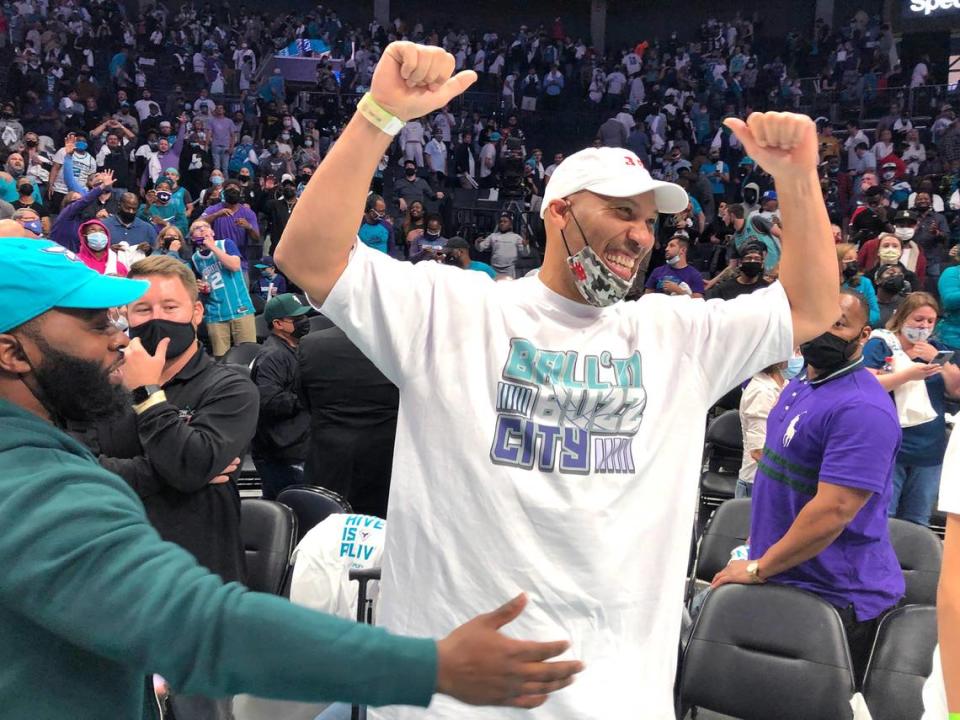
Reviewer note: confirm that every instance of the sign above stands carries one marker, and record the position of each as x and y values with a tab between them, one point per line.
930	7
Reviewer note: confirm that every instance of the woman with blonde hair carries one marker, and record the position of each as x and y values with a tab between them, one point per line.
851	277
917	471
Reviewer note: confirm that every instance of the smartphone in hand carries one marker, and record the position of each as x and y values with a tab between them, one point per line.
942	357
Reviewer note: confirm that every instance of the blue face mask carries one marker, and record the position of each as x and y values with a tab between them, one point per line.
97	241
216	180
81	145
794	366
34	226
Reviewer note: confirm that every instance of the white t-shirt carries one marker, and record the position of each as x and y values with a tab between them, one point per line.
324	558
934	691
574	445
83	165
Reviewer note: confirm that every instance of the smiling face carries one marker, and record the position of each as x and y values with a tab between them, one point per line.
619	231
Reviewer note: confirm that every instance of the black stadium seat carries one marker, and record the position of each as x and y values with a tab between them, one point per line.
919	552
242	354
262	331
759	652
268	530
312	505
900	663
728	528
723	455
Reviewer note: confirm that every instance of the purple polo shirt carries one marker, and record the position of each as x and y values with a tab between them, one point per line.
686	274
841	429
226	228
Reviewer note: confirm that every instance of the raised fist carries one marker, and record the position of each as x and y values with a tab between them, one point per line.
783	144
413	80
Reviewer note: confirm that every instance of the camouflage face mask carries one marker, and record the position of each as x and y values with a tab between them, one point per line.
598	284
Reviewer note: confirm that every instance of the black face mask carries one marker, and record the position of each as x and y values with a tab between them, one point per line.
850	270
301	326
25	190
231	196
409	172
829	351
893	284
71	388
31	143
751	269
126	216
244	178
289	193
749	197
182	336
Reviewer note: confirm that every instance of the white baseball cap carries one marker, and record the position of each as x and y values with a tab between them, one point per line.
615	172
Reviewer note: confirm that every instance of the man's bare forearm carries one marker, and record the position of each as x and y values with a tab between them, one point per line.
808	265
317	239
948	613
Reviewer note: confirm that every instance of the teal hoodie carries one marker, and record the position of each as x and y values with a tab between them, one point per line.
92	601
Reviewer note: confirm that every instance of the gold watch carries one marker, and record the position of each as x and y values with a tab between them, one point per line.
753	570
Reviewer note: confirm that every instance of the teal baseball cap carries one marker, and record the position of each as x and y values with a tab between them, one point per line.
283	306
43	275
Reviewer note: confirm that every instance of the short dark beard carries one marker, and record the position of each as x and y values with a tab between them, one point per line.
74	389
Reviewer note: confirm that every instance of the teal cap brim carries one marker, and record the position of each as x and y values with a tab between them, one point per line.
103	291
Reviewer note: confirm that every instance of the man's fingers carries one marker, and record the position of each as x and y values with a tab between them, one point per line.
441	69
406	56
506	613
422	70
757	125
527	702
457	85
162	348
545	688
550	672
739	128
529	651
219	480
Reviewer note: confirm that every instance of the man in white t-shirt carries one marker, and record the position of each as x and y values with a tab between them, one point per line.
941	692
550	477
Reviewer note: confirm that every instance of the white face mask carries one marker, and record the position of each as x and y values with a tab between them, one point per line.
904	233
916	334
673	261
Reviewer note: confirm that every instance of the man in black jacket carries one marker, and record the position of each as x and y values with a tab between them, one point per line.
280	445
465	161
353	420
178	446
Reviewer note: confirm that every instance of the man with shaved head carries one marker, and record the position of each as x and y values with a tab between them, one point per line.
125	226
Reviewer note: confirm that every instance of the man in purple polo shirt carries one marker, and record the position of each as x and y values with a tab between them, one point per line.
224	138
676	277
823	485
232	220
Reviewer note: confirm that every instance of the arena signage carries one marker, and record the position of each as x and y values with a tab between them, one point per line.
927	7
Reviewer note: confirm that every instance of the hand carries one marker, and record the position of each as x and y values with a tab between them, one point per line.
921	371
439	196
158	221
269	182
243	223
70	144
783	144
101	214
145	248
412	80
224	475
140	367
106	179
735	572
203	287
182	117
923	350
954	252
209	243
479	666
671	287
403	205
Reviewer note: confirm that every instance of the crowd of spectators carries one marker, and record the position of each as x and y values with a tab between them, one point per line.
156	146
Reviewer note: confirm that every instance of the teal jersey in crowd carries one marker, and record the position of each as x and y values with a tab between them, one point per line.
229	298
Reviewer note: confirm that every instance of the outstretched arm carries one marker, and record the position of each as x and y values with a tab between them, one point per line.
786	146
410	81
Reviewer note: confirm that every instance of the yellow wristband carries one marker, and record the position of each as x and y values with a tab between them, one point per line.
155	399
381	119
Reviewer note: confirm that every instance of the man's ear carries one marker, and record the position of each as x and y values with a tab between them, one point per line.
197	314
13	359
558	211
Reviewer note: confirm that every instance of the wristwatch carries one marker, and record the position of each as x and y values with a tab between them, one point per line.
143	393
753	570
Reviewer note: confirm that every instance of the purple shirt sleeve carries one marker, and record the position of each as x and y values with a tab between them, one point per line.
230	247
859	454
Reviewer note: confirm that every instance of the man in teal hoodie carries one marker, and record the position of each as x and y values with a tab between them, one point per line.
92	600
